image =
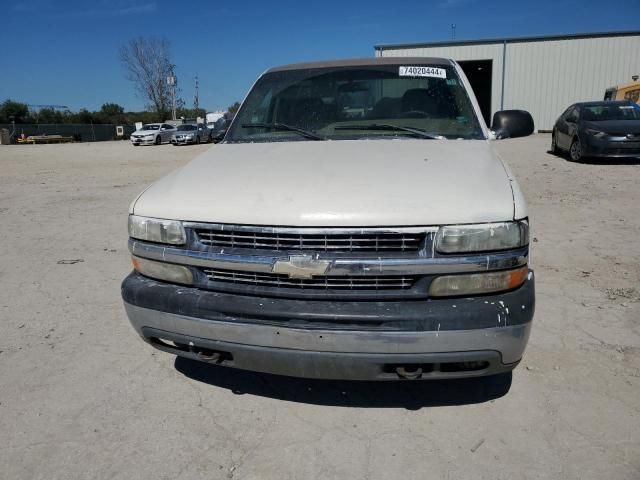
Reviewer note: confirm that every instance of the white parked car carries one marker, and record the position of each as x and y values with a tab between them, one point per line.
213	117
153	134
387	241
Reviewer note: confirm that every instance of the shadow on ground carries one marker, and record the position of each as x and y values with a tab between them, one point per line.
411	395
599	161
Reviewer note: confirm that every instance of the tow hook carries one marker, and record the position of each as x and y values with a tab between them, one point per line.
410	374
205	355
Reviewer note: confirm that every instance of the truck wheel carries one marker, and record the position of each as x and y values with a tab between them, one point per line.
158	140
575	152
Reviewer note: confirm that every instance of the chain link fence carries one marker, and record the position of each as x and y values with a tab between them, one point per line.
79	132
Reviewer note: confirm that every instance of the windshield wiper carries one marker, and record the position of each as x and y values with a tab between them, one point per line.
388	127
282	126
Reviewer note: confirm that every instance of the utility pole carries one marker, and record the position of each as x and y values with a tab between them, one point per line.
172	82
453	31
13	127
196	99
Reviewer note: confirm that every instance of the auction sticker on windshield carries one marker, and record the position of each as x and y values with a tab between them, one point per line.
422	72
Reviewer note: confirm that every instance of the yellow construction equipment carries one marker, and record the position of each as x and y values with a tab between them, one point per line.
630	91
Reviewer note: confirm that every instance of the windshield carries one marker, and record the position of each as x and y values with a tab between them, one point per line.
340	103
599	113
182	128
151	126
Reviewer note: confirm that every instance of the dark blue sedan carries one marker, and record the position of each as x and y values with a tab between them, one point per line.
598	129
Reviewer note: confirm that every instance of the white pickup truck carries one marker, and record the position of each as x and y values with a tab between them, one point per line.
355	223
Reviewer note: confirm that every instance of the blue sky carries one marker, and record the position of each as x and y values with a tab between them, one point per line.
65	52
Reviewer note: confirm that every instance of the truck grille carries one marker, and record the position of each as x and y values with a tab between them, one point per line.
320	282
373	241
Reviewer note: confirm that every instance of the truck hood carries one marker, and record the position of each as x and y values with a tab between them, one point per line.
337	183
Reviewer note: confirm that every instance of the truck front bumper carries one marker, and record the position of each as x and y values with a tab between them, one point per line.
445	338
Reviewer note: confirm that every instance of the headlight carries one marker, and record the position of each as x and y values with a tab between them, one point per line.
162	271
595	133
189	136
149	135
477	283
482	237
156	230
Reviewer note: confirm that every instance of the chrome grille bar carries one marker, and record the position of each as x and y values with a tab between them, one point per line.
321	282
335	242
355	266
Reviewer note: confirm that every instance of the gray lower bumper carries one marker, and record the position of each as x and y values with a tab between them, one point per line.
335	354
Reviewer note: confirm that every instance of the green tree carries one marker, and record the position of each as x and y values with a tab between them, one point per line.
67	116
232	109
108	113
191	112
48	115
19	112
111	113
83	116
144	117
111	109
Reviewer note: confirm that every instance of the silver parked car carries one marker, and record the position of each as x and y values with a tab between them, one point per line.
152	134
191	133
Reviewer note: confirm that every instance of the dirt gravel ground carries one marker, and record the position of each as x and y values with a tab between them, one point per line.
81	396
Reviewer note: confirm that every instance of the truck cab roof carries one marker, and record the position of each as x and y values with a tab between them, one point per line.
359	62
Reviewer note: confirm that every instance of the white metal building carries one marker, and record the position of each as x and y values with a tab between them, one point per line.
543	75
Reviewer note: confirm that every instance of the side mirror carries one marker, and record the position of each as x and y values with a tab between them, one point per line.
512	124
499	134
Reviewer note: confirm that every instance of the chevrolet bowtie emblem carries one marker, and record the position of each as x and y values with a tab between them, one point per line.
301	266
